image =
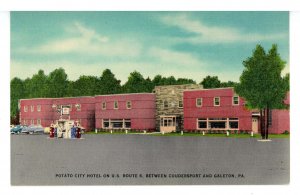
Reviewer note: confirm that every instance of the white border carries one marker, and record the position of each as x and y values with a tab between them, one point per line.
240	5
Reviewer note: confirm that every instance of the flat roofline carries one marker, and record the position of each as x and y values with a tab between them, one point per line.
119	94
208	89
177	85
58	98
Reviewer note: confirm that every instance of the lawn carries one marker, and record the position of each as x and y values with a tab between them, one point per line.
197	134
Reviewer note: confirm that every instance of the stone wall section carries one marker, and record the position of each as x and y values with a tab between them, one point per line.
172	94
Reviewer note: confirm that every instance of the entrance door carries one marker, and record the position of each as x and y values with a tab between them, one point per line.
167	124
255	124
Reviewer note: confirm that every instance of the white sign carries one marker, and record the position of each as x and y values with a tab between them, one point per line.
65	110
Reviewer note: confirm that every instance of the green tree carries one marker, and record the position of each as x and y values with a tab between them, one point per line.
108	84
85	86
211	82
135	83
57	84
261	83
17	92
37	85
228	84
182	81
157	80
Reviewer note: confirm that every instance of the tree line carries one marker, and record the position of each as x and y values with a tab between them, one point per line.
56	84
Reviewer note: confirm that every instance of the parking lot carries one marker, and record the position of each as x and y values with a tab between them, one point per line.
147	160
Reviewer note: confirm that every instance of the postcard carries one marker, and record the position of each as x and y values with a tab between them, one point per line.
150	98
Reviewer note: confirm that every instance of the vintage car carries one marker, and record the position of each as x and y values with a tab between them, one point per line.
31	129
17	129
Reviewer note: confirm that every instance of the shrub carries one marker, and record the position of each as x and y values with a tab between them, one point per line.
286	132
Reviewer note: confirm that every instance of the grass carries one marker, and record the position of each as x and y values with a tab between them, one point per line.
197	134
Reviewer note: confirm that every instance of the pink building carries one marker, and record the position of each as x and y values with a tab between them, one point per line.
44	111
203	110
125	111
222	109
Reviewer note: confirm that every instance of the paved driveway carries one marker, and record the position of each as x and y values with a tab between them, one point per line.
143	159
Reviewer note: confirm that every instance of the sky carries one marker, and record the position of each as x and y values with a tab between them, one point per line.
183	44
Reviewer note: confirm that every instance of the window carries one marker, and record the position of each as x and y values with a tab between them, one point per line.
217	101
233	123
180	104
116	123
38	121
199	102
116	106
103	105
270	117
78	107
235	100
165	104
168	121
38	108
105	123
202	123
25	108
25	122
32	121
31	108
128	123
128	104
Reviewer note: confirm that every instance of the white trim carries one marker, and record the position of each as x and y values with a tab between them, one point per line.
78	107
215	101
25	108
226	121
32	108
197	102
116	108
110	121
127	107
237	100
39	108
103	103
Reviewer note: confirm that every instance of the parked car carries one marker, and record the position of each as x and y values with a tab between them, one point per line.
47	130
17	129
31	129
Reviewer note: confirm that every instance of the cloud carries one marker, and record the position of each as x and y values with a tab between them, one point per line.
83	40
203	33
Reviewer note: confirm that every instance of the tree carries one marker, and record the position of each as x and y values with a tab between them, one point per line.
211	82
261	83
182	81
135	83
37	85
57	84
17	91
228	84
108	84
85	86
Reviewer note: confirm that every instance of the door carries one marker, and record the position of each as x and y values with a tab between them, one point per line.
168	124
255	124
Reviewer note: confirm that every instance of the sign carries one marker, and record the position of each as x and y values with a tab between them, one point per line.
65	110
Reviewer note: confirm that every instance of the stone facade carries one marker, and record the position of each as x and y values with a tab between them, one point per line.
168	100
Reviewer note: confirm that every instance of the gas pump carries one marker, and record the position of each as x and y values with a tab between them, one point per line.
51	132
78	132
